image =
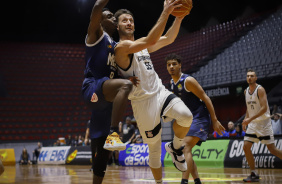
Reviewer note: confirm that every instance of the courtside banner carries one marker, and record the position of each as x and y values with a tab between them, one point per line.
8	156
80	155
235	156
137	155
210	154
53	155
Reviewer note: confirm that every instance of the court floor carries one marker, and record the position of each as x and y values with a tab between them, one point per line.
67	174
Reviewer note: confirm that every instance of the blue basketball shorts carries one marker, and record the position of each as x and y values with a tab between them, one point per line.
92	93
200	128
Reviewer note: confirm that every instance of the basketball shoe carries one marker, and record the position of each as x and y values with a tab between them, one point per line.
177	156
114	143
252	178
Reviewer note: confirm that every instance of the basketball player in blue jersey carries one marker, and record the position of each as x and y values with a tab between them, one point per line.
150	100
194	97
103	92
259	124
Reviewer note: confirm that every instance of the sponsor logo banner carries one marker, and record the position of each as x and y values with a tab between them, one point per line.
210	154
8	156
53	155
137	155
235	156
80	155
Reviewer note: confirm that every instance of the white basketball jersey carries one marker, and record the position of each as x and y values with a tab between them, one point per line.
253	105
141	66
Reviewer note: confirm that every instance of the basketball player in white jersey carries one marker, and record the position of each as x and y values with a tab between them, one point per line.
259	123
150	100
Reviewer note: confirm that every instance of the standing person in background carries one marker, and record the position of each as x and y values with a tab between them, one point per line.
101	90
195	98
128	131
75	141
36	152
150	100
277	124
69	140
259	123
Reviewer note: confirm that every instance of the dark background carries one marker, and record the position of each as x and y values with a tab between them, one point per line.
66	21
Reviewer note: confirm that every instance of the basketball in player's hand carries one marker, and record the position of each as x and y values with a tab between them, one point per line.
184	9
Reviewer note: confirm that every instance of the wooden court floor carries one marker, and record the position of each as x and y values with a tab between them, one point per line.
66	174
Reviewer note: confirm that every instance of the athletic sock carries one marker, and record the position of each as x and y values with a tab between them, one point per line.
177	142
184	181
114	129
159	181
197	181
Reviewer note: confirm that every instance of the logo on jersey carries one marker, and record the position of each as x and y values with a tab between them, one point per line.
94	98
111	60
179	87
149	134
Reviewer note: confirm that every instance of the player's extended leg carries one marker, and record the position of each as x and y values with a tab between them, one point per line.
249	154
100	158
117	91
254	177
155	160
189	142
273	150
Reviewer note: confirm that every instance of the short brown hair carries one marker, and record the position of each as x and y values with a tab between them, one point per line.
251	70
122	11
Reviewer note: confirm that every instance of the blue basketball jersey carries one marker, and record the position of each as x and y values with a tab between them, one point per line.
99	66
196	105
201	117
100	59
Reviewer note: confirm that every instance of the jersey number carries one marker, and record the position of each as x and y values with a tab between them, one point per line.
148	65
252	107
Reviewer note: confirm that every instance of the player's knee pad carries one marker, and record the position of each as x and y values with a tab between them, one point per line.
185	116
155	155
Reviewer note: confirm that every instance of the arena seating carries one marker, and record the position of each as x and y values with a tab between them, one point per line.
259	49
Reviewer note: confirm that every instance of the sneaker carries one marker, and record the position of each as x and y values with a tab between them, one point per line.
252	178
177	156
114	143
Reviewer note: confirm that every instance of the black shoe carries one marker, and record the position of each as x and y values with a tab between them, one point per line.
252	178
91	169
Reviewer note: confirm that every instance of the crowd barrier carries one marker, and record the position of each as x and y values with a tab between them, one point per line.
212	153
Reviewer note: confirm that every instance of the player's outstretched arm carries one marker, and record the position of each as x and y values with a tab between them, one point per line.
192	85
170	35
95	29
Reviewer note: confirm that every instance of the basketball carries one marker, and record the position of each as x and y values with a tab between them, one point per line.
185	8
